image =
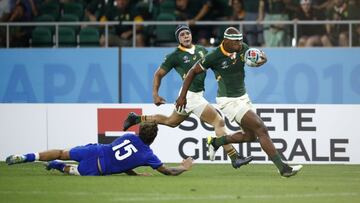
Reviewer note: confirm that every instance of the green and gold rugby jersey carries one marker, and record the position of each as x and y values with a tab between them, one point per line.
228	69
182	60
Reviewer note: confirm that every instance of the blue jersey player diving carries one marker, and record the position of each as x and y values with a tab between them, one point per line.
121	156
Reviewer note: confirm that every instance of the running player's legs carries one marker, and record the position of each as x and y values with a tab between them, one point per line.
196	104
246	135
212	117
234	109
172	121
241	110
199	106
253	123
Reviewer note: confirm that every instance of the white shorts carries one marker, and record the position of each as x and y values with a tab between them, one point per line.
196	104
234	108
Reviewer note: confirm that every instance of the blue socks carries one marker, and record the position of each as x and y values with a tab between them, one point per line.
56	165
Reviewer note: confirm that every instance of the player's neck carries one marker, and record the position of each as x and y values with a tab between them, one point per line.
224	50
190	49
232	55
186	47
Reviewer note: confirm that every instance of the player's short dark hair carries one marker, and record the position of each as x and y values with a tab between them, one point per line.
148	132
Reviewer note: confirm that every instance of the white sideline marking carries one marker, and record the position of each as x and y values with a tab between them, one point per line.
133	197
162	197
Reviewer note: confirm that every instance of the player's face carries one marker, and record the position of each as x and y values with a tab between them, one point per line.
185	38
305	7
233	45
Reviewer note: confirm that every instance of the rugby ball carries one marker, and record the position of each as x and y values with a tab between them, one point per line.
252	57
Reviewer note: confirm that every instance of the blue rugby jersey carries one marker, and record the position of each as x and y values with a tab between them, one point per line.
125	153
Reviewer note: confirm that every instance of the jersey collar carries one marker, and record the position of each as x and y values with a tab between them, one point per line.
231	55
190	50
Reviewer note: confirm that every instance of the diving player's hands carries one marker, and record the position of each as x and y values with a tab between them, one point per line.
180	103
187	163
263	59
158	100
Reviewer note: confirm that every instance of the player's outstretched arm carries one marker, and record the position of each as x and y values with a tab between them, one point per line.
159	74
134	173
174	171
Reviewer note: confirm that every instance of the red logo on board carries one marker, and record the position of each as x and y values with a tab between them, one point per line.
110	123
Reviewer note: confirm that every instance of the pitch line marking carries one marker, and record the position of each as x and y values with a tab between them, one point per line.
132	197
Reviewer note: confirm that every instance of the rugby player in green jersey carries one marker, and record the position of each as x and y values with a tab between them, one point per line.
182	59
227	62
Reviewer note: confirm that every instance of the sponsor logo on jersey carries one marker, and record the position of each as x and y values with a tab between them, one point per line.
224	65
201	53
186	59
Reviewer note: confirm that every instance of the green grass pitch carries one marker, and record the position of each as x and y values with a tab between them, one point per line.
204	183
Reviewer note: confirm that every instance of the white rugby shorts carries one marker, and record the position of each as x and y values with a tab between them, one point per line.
234	108
196	104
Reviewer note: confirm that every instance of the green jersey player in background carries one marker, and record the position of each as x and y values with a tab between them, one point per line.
227	62
182	59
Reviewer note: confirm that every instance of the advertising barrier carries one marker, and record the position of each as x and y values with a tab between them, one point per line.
86	75
301	133
291	76
99	75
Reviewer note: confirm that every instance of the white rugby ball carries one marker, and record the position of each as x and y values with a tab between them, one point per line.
252	57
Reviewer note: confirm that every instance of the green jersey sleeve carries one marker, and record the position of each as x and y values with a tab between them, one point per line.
207	61
205	50
169	62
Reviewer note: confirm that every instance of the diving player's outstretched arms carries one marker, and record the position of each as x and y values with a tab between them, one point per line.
134	173
174	171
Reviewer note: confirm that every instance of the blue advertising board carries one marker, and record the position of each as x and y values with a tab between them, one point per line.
69	75
299	76
291	75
